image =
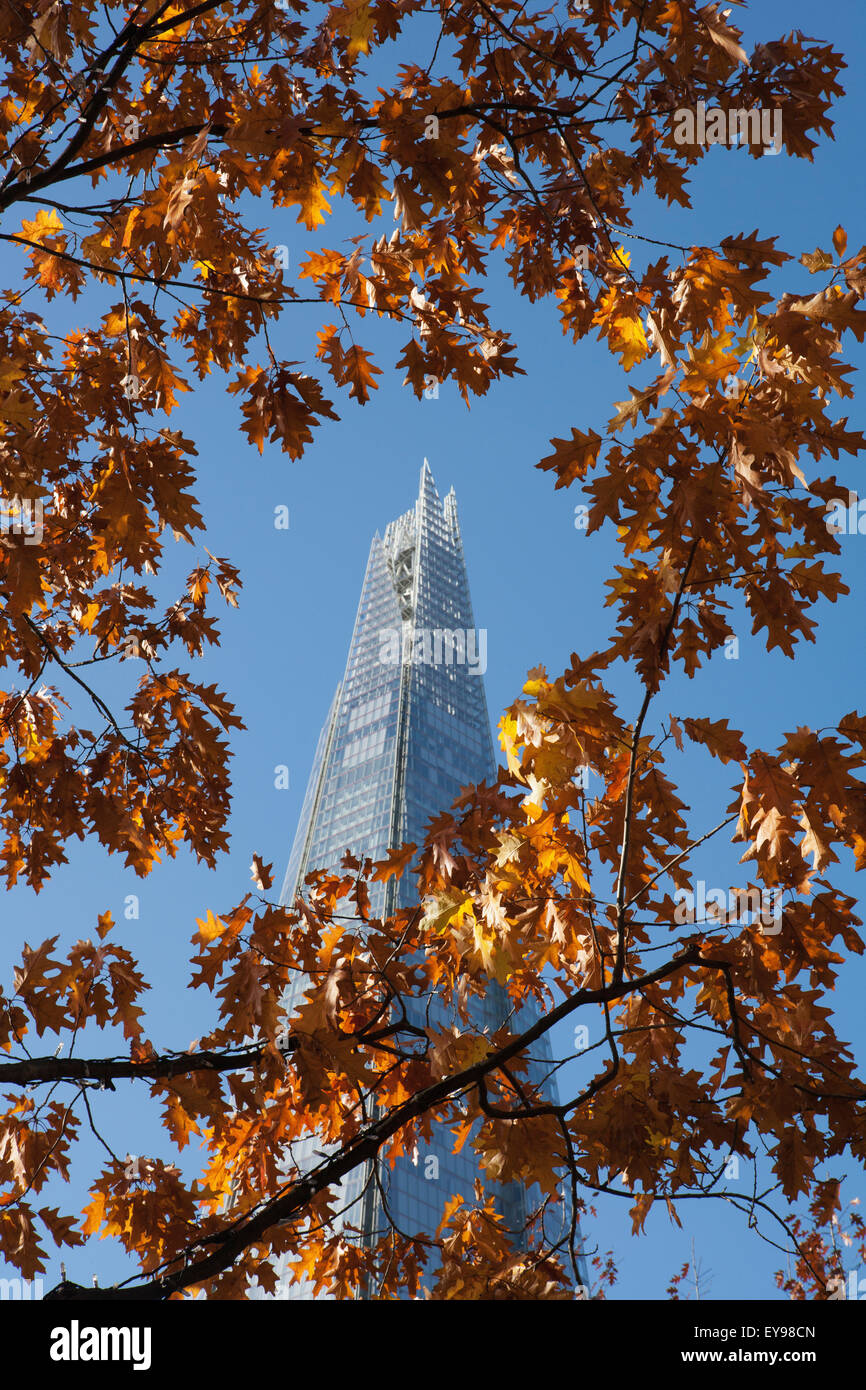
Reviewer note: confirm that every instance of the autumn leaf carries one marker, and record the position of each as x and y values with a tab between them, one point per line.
354	21
395	865
359	371
261	874
179	199
105	923
209	928
724	743
572	459
640	1211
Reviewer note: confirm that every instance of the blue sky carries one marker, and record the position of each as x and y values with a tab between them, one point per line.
537	586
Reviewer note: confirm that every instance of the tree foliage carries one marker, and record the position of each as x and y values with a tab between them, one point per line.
138	143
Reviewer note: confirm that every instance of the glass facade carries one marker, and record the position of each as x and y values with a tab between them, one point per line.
408	728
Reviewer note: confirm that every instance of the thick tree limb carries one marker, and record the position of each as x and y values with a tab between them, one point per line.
292	1203
161	1067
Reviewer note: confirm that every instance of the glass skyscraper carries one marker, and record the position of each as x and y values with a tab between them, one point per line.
408	728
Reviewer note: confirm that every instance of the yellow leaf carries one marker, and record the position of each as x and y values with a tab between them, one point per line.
42	225
353	20
574	871
210	928
314	205
127	231
89	616
95	1214
442	909
511	745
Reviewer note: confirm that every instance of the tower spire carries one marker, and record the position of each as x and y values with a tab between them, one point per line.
427	482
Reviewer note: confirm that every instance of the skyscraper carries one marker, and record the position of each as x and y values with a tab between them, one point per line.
408	728
402	737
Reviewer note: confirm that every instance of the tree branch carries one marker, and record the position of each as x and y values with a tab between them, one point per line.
160	1067
629	791
289	1205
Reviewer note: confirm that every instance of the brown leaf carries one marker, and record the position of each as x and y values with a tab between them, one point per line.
261	873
